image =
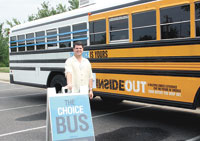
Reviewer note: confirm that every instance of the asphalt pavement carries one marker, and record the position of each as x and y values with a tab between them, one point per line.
23	118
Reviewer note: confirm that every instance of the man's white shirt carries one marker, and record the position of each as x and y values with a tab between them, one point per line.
81	72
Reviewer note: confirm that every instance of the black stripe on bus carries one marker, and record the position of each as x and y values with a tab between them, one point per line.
39	61
124	60
177	73
29	84
146	100
69	49
149	59
52	69
161	43
41	69
23	68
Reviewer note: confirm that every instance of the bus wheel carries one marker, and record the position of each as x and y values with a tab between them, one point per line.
58	82
111	100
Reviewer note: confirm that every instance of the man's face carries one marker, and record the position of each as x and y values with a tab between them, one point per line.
78	50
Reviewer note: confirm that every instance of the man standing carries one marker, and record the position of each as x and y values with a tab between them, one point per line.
78	71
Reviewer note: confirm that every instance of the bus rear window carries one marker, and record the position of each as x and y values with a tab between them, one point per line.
80	33
30	41
13	44
40	40
52	38
65	36
21	43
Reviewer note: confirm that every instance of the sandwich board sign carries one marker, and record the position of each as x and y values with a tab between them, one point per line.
69	117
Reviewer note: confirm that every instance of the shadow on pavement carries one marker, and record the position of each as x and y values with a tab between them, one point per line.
134	134
34	117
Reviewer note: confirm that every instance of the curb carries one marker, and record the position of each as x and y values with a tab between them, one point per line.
4	77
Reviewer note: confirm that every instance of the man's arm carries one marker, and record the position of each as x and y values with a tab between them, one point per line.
68	73
69	80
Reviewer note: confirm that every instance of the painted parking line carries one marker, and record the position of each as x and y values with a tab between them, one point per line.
36	128
20	88
197	138
112	113
4	97
11	89
16	108
22	131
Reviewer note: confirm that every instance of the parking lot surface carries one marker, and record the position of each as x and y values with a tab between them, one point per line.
23	118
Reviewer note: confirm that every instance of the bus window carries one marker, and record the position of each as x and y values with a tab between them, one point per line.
197	18
21	42
64	37
118	27
144	26
80	33
40	40
52	38
30	41
98	32
175	22
13	44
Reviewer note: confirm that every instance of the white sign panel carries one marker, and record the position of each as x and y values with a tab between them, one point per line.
70	117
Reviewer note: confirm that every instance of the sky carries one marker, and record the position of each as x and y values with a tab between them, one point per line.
21	9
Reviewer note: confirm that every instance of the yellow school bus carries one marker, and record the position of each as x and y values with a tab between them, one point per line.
140	50
152	52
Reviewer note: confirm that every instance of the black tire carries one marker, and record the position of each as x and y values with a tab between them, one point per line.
111	100
58	82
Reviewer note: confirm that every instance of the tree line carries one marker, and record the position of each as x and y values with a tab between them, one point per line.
45	11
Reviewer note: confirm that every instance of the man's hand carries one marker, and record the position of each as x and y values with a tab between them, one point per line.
69	87
91	94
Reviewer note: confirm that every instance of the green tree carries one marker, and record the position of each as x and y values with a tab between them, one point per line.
47	11
74	4
11	24
60	8
3	48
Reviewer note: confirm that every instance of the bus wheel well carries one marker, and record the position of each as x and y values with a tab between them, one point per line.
52	75
197	99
